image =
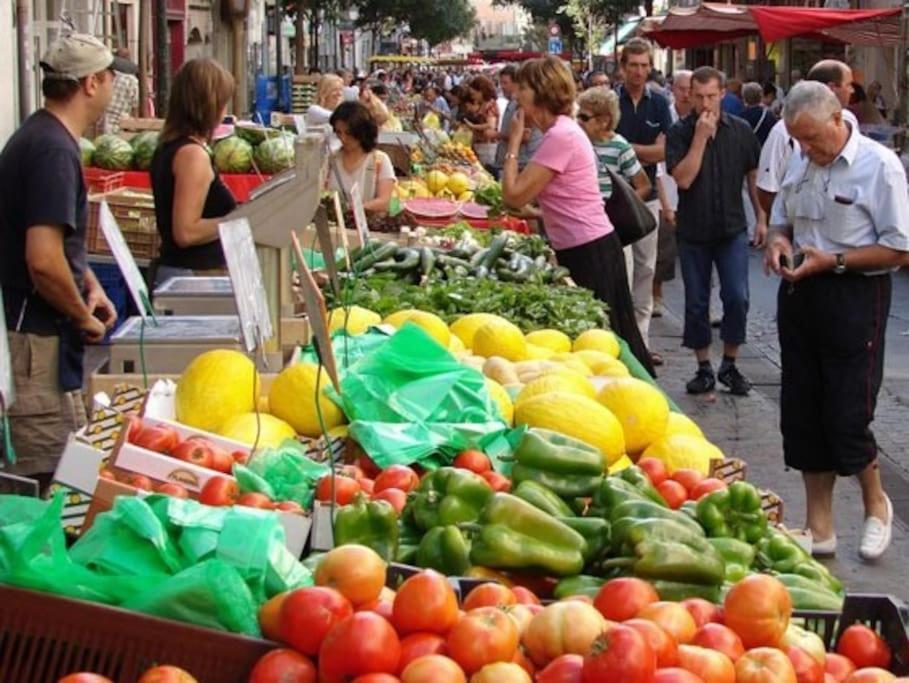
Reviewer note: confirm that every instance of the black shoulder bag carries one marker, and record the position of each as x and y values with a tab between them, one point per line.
627	211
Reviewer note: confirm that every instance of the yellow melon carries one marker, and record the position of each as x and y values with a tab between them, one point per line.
502	400
500	338
271	431
293	399
430	323
551	339
356	319
682	424
641	408
682	451
598	340
535	352
215	386
466	326
554	382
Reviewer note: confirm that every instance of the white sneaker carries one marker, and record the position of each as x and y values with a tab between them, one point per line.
876	535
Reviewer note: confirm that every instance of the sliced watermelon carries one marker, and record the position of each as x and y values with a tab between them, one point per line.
431	208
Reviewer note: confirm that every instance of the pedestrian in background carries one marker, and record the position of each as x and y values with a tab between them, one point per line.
759	117
732	101
840	227
532	134
125	99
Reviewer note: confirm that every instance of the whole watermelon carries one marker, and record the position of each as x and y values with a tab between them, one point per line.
88	151
112	153
144	145
275	154
233	155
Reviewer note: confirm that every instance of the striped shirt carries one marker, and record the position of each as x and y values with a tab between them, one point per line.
619	156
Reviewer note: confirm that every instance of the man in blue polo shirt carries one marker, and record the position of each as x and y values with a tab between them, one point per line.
644	123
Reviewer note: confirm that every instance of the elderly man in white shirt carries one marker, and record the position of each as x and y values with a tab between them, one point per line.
840	225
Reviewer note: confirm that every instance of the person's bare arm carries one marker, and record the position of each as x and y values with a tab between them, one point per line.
653	153
760	229
641	184
688	168
192	177
384	189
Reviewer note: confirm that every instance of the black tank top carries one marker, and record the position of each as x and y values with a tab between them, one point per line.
218	202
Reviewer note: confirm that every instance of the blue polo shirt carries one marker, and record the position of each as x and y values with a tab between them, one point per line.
641	124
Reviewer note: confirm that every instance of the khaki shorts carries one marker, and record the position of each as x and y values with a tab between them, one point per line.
42	415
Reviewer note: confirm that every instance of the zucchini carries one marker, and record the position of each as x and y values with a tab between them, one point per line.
427	261
385	266
406	259
496	248
385	251
446	260
478	257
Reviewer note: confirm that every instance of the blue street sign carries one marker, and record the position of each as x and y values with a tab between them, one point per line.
555	45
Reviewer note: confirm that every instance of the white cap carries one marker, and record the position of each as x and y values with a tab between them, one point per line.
78	55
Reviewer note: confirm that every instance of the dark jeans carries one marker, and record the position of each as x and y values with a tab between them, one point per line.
697	260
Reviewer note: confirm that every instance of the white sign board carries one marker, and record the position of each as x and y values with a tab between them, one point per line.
300	124
124	258
6	372
356	200
246	278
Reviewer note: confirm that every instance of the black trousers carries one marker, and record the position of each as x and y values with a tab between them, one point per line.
831	332
600	267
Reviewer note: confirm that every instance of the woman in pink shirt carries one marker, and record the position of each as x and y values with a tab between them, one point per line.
562	178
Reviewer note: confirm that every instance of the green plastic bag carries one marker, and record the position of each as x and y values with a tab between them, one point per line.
348	348
291	474
251	482
410	397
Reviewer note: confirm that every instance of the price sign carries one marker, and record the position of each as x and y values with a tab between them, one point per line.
6	371
246	278
300	124
124	258
356	200
342	226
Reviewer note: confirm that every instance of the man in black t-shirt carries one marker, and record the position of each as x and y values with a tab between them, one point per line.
52	300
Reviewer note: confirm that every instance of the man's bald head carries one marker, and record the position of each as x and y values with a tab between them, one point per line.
835	75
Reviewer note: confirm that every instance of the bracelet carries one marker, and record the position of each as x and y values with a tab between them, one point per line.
511	155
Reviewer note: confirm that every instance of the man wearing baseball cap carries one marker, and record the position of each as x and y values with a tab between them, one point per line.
53	303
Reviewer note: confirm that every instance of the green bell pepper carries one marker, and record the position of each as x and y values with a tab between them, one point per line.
808	594
629	531
635	476
447	496
543	498
565	466
408	541
817	572
582	584
673	561
638	509
734	512
674	591
373	524
596	533
513	534
734	551
611	492
779	552
444	549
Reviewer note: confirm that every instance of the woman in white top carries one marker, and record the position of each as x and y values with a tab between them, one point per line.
358	161
328	96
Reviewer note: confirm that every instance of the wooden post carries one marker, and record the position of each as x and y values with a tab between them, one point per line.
162	56
144	30
237	63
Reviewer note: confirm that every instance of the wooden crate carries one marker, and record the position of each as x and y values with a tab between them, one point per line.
135	214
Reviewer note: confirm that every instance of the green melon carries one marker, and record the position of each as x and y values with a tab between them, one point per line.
144	145
112	153
233	155
88	151
253	133
275	154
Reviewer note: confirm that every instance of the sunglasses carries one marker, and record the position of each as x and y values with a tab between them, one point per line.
585	117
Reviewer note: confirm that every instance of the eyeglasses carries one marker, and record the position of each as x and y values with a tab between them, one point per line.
585	117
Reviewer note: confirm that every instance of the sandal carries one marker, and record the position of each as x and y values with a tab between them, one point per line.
656	358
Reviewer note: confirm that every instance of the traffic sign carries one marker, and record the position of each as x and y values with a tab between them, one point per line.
555	46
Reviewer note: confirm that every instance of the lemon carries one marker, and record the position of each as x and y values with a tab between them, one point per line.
357	320
598	340
293	399
550	339
215	386
500	338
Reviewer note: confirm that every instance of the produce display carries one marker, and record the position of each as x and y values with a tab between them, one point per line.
144	145
112	153
233	154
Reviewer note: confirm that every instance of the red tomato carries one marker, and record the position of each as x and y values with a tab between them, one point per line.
706	486
397	477
807	668
133	425
672	618
254	499
221	460
362	643
195	452
417	645
620	654
562	669
489	594
758	608
396	497
219	491
655	469
870	674
525	596
663	644
283	666
307	615
157	438
345	489
367	486
289	506
764	665
709	665
673	493
720	638
425	602
384	608
838	667
240	457
432	669
676	675
482	636
498	482
173	490
137	481
703	611
370	469
622	599
473	460
85	677
687	478
376	678
864	647
523	661
166	674
105	473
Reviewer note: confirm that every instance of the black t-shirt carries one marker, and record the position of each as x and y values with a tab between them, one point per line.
41	183
641	124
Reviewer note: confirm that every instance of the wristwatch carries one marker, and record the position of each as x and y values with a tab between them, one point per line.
840	266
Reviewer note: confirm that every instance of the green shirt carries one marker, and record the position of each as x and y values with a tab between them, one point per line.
619	156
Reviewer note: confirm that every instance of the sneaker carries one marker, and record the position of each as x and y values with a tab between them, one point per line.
703	382
876	535
735	381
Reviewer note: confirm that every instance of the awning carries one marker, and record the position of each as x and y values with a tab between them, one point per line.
626	29
709	23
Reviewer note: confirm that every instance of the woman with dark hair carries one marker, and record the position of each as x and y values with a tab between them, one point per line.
562	177
483	95
358	162
190	197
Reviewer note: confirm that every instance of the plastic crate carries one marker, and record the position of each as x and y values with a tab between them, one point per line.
100	180
134	211
114	285
44	637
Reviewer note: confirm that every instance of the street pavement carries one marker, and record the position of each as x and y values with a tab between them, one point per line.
748	427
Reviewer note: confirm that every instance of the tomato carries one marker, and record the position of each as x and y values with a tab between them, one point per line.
133	424
522	661
708	485
489	594
525	596
85	677
566	627
376	678
672	618
289	506
384	608
425	602
166	674
157	438
270	616
498	482
307	615
703	611
369	468
345	489
720	638
501	672
663	645
356	571
522	615
397	477
622	599
240	457
418	645
563	669
807	668
195	452
367	486
709	665
811	643
105	473
758	608
221	460
396	497
219	491
687	478
473	460
432	669
255	500
764	665
838	666
360	644
283	666
673	493
619	654
864	647
352	471
482	636
655	469
137	481
676	675
173	490
870	674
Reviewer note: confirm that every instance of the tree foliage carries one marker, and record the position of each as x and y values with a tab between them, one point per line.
434	21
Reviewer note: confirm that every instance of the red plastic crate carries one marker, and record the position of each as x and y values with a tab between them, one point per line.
99	180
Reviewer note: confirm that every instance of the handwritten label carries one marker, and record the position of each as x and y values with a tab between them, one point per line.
356	200
246	278
124	258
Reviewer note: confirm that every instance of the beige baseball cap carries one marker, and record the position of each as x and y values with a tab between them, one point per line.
78	55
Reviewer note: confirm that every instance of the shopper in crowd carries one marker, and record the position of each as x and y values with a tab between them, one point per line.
53	303
597	79
329	95
438	105
562	177
840	226
755	113
351	92
711	154
125	100
190	197
532	135
732	99
358	162
876	98
486	128
644	122
863	107
772	98
457	97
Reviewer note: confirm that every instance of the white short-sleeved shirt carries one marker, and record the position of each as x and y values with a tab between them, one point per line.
859	200
383	168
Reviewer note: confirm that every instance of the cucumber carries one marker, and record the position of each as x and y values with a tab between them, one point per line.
381	253
496	248
406	259
427	261
478	257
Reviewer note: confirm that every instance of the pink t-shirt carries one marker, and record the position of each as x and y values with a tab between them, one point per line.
571	202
